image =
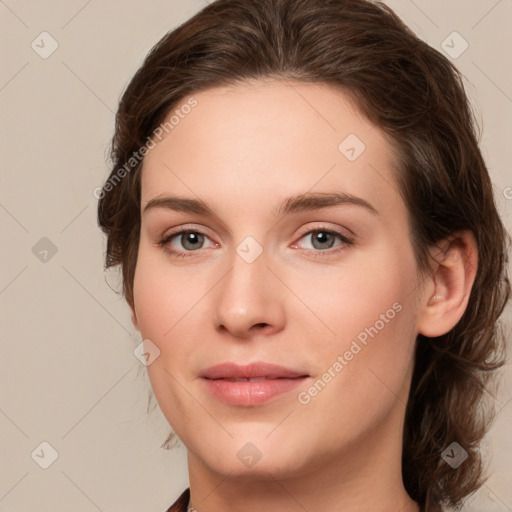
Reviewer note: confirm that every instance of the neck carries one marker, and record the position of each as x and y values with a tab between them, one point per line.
365	477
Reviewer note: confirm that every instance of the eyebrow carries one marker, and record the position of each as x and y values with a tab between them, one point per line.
299	203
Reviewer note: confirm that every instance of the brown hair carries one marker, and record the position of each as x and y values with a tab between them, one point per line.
417	98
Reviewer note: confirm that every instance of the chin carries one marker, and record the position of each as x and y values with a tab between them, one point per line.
239	457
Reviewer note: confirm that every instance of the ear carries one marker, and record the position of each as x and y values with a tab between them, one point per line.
446	297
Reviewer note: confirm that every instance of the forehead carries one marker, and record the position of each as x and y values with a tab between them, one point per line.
264	139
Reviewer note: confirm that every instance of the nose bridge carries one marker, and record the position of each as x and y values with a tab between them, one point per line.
248	296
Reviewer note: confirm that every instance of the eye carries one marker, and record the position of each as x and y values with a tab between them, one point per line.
322	240
185	241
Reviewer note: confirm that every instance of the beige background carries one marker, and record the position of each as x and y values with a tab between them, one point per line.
68	376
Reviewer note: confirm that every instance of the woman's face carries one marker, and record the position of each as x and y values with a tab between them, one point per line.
298	255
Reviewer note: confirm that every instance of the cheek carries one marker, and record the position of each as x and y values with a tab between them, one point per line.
150	301
370	309
161	305
351	297
161	297
173	311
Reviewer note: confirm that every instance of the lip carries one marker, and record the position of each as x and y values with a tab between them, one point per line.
250	385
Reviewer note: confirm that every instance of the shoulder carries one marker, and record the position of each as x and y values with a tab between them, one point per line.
180	505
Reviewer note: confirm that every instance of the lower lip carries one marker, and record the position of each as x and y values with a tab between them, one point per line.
249	394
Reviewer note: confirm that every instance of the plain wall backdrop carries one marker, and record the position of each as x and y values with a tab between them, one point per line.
68	375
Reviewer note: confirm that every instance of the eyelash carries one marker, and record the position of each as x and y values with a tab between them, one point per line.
315	252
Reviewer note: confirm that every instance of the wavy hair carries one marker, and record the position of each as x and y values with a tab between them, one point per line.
416	97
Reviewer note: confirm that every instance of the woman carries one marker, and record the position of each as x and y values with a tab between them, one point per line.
313	257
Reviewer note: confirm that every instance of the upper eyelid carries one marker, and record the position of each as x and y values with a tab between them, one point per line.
337	231
307	230
184	228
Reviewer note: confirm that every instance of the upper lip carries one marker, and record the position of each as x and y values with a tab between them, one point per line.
258	370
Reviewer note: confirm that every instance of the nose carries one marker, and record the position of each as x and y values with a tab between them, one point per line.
249	300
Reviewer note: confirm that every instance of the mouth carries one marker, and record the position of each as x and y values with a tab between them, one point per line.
250	385
255	379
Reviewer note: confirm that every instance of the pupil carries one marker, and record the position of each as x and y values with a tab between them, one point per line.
191	239
323	238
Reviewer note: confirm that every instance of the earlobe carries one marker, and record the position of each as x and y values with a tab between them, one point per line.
452	281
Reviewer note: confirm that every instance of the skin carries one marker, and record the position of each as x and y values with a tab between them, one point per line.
243	150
